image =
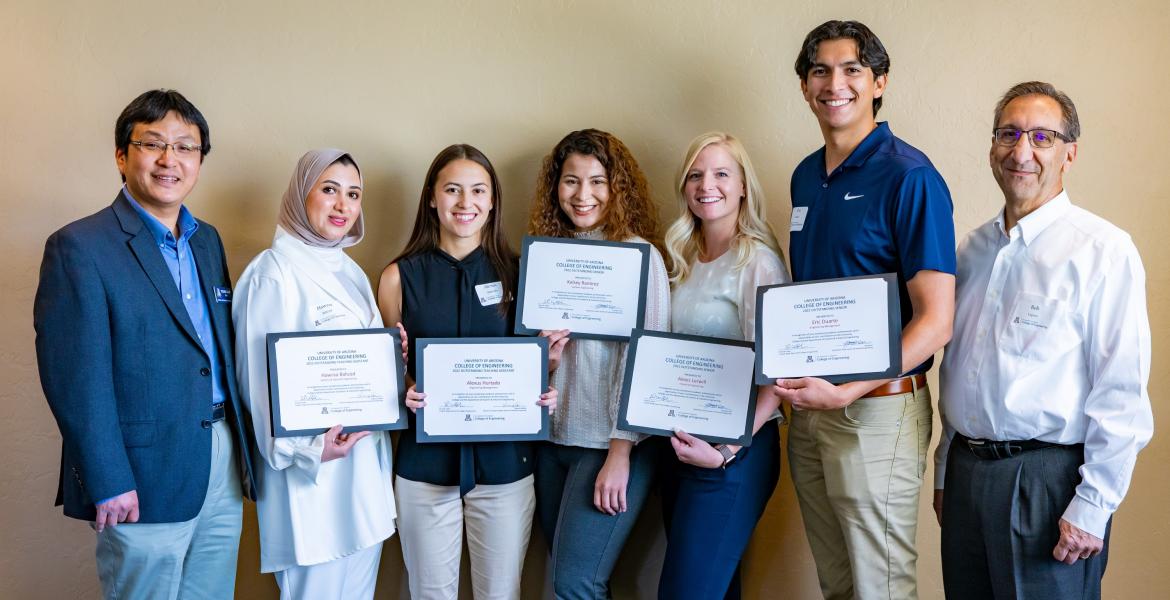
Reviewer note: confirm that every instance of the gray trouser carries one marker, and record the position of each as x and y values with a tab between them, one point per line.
999	527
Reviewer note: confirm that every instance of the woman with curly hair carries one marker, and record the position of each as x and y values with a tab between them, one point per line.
722	249
591	478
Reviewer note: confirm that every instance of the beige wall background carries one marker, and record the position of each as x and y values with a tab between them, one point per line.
394	82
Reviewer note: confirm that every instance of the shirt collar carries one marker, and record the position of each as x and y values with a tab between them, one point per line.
868	146
162	235
1038	220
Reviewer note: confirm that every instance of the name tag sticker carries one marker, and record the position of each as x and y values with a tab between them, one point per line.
490	293
798	215
1034	314
223	295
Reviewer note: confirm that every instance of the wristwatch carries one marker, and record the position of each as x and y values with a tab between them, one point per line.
727	454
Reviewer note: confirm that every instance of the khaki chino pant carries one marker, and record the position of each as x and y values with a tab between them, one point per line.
858	476
189	560
431	523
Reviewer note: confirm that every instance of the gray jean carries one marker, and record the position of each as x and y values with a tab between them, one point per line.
585	542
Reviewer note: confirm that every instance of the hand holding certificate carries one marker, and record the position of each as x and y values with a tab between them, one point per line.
319	379
482	389
837	329
595	289
701	385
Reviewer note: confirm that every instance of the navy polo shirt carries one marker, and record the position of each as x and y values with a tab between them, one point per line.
884	210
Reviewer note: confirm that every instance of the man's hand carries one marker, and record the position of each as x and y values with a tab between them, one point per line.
693	451
1076	543
557	338
122	508
938	500
811	393
338	445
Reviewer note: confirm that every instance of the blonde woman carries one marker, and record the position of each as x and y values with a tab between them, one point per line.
722	249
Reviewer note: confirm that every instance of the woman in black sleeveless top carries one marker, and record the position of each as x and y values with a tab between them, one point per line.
456	278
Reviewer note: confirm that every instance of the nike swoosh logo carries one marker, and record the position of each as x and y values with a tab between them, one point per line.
848	197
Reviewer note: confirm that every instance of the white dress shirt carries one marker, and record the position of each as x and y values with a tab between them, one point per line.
1052	342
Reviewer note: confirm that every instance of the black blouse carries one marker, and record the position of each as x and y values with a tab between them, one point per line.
439	301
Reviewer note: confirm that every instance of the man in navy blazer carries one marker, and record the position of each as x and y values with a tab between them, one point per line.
134	345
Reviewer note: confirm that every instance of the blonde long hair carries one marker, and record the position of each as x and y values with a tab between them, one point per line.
684	238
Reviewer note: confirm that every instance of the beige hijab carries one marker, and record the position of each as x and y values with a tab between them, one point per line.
293	217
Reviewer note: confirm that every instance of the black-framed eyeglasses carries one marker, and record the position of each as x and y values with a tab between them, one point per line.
157	147
1039	138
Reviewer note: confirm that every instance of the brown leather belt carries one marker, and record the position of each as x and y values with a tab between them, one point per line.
901	385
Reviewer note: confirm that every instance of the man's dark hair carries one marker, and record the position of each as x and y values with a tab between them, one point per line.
1068	111
870	51
154	105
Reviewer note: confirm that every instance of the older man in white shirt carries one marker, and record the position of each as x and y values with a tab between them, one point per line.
1044	399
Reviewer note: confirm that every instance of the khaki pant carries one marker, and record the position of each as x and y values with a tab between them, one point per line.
858	475
431	521
188	560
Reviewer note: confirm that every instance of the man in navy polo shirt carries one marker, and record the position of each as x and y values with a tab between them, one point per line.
866	203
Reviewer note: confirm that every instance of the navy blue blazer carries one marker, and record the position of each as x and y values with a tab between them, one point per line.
123	369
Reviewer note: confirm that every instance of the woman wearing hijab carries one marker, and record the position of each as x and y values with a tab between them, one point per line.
325	502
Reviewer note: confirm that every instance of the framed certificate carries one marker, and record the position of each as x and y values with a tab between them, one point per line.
319	379
841	330
702	385
595	289
481	389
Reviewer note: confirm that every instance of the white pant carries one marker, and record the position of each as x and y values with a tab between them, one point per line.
351	577
431	519
189	560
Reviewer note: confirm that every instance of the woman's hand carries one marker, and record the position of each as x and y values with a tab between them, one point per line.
609	490
338	445
549	399
405	345
557	338
416	399
693	451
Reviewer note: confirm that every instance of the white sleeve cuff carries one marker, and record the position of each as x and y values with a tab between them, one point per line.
294	452
940	461
1087	517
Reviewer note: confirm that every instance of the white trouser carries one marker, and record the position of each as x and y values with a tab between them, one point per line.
431	520
351	577
192	559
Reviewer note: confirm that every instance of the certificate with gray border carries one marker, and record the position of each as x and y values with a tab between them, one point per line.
318	379
846	329
596	289
701	385
481	389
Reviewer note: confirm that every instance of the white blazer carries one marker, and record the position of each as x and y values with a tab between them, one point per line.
310	512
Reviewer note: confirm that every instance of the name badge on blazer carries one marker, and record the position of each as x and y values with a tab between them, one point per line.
223	295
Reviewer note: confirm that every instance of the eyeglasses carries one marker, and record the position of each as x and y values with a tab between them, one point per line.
156	147
1039	138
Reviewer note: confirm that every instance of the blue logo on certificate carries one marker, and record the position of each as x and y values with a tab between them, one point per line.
223	295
